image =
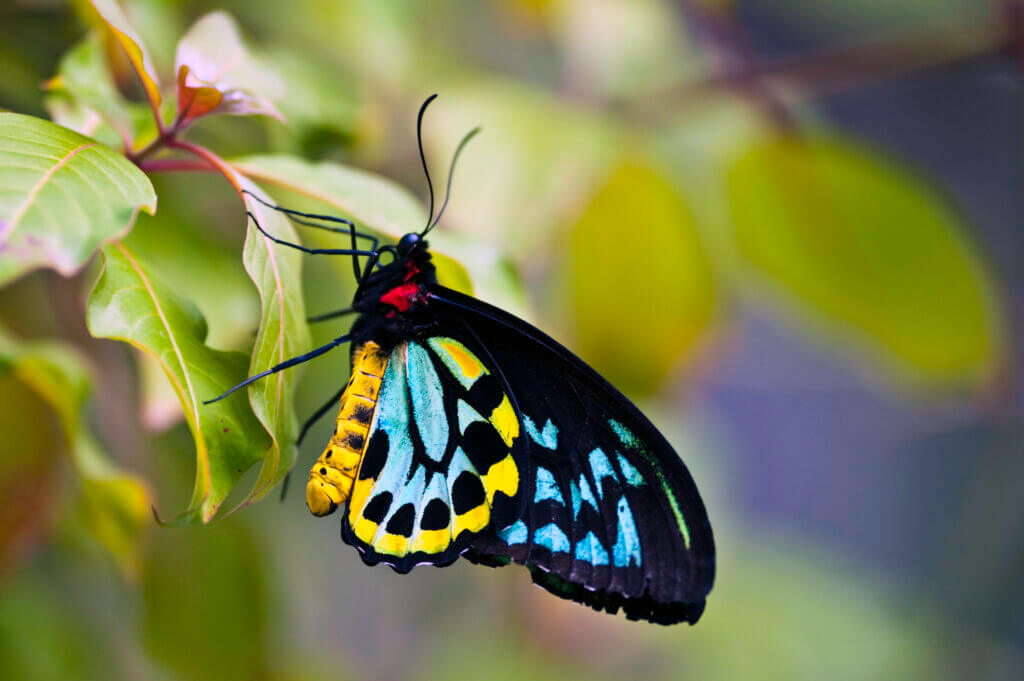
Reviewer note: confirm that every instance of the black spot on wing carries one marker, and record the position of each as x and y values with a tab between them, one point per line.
467	493
486	394
377	509
436	515
483	445
376	456
402	521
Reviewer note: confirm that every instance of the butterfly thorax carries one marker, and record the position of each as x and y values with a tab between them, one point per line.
392	299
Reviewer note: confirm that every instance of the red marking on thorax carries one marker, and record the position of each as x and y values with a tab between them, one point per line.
402	296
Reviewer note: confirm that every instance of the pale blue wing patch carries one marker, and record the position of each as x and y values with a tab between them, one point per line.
547	487
590	550
632	475
547	438
627	545
515	533
427	401
552	538
601	468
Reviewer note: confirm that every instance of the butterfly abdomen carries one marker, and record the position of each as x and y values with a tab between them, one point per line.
331	478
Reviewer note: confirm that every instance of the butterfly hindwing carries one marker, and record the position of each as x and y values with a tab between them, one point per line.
610	516
440	465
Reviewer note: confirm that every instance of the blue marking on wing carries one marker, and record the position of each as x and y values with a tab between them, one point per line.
411	492
585	493
551	537
602	469
514	533
393	419
627	545
631	474
547	487
467	415
625	434
545	438
574	493
590	550
460	462
427	401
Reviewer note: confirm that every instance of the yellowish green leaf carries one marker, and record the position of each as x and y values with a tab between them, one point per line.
122	31
863	242
641	286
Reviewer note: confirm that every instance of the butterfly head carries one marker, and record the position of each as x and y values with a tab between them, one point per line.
409	243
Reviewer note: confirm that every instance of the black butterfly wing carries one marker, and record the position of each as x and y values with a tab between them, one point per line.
611	517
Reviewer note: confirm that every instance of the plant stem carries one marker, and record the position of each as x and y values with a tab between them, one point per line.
216	162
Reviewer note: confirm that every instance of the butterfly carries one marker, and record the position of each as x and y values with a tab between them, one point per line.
465	432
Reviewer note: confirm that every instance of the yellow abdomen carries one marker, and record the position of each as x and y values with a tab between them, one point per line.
330	480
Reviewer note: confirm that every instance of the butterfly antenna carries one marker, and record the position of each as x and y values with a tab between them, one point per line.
423	158
451	172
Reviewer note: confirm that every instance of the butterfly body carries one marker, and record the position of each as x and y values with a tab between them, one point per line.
465	431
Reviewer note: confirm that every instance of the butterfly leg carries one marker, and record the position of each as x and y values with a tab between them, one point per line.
285	364
297	217
310	422
330	315
310	251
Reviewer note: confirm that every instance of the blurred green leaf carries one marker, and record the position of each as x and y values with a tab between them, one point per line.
117	23
114	504
216	73
29	452
526	175
641	286
204	597
865	243
62	196
128	304
43	639
624	47
84	97
282	335
324	109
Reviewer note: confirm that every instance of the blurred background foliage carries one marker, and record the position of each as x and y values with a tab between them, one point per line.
789	230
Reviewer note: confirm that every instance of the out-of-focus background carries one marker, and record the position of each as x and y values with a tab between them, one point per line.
790	230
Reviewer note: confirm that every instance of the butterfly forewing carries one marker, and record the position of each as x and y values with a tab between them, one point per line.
443	458
611	517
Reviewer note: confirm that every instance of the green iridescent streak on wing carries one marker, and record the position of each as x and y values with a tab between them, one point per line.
631	441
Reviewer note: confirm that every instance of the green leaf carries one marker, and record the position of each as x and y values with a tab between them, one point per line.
216	74
117	23
84	97
113	505
130	305
204	603
641	285
62	195
854	238
282	335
